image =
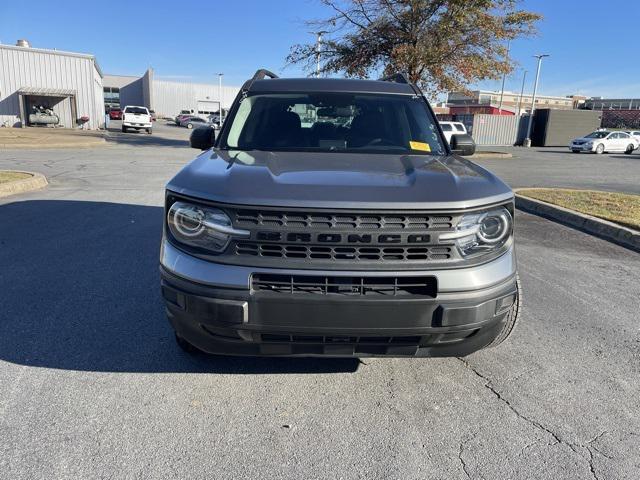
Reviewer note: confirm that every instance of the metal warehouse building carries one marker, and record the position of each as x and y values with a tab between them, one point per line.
166	98
69	83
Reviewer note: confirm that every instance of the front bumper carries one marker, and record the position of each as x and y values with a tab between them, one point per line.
220	313
581	148
137	125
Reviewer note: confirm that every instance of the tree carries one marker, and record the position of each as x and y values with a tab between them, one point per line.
443	45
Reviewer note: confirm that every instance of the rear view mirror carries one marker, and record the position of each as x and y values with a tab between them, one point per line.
202	138
462	144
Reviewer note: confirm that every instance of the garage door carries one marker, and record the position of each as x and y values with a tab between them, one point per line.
207	107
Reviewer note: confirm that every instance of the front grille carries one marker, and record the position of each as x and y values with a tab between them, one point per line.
336	221
341	252
425	286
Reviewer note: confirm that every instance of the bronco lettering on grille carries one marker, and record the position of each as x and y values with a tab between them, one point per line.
386	238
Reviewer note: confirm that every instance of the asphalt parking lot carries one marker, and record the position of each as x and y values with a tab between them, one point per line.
93	386
558	167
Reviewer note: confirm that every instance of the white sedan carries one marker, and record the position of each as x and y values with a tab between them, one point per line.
634	133
603	141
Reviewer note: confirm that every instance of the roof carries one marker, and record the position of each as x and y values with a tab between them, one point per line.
55	52
46	92
329	85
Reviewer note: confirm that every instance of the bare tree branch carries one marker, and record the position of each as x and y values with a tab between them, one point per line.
441	44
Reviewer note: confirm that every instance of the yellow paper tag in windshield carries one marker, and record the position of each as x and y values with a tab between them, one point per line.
423	147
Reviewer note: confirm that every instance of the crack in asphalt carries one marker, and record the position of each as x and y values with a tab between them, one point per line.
461	449
556	438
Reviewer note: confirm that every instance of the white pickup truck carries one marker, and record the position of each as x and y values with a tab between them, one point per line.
137	118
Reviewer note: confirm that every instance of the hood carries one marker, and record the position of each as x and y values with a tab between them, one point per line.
338	180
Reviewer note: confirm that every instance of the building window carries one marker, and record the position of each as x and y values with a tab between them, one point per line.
111	97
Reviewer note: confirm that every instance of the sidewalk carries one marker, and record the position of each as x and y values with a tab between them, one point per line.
40	137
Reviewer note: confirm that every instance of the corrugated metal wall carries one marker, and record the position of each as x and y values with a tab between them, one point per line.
28	67
168	98
497	130
131	94
556	128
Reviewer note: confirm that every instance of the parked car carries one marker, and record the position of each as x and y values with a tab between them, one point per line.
602	141
180	116
193	121
153	115
136	118
115	113
452	128
635	134
371	237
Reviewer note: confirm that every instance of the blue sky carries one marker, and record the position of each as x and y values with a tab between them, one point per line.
593	43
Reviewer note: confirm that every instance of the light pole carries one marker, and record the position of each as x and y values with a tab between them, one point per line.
524	77
318	50
220	97
527	141
504	76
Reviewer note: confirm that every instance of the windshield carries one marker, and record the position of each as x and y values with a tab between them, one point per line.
334	122
597	135
137	110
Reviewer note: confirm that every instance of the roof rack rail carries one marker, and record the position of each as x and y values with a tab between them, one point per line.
397	78
259	75
402	78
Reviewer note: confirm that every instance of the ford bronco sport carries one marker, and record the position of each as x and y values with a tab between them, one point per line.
331	217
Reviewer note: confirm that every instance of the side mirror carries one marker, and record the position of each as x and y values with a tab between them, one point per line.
462	144
202	138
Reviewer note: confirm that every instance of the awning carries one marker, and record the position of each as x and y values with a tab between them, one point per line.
46	92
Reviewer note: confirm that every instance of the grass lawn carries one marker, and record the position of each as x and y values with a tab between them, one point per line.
11	176
621	208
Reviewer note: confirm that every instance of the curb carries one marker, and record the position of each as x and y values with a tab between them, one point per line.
597	227
35	182
38	146
486	154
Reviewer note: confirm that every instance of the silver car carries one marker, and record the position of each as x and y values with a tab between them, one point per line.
195	122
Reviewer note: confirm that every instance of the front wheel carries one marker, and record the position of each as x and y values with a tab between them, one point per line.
124	129
149	131
512	317
189	126
600	149
630	149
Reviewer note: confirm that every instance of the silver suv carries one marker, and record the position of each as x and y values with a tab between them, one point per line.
330	217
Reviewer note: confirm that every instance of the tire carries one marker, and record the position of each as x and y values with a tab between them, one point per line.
149	131
600	149
575	151
630	149
124	129
189	126
186	346
512	317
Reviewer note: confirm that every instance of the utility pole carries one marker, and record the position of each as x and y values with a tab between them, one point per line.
524	77
318	50
220	97
504	76
527	141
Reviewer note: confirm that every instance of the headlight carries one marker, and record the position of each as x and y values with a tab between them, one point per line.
202	227
589	144
481	232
